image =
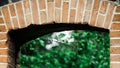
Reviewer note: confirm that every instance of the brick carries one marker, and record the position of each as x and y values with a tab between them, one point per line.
103	7
115	50
20	14
58	3
50	12
86	16
0	13
12	10
28	19
115	34
109	15
2	28
4	59
81	5
89	4
73	3
3	45
100	20
15	23
115	42
116	17
118	9
115	57
3	36
43	17
72	15
65	0
94	12
57	15
115	26
26	6
42	4
35	11
65	12
6	16
50	0
115	65
3	51
1	21
4	65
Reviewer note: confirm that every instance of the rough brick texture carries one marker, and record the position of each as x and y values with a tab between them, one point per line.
100	13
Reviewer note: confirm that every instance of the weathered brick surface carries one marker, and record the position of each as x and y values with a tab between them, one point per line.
103	7
2	28
0	13
50	0
42	4
15	23
20	14
35	11
3	44
3	51
115	42
4	65
50	12
3	36
100	21
118	9
89	4
73	3
12	10
115	65
116	17
6	16
115	34
72	15
65	12
1	20
4	59
26	6
109	15
43	16
86	17
28	19
58	3
115	50
94	12
115	26
57	15
115	57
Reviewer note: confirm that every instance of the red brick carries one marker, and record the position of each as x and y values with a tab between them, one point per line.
57	15
58	3
94	12
115	57
26	6
109	15
50	12
20	14
115	65
89	4
1	21
43	17
28	19
103	7
86	16
15	23
81	6
3	36
115	42
116	17
42	4
118	9
115	26
3	59
2	28
73	3
12	10
6	16
65	12
35	11
3	44
72	15
115	34
115	50
100	21
3	51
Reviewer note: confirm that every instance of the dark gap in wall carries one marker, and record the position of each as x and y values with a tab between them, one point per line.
4	2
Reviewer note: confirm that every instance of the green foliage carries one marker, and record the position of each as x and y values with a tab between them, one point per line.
90	49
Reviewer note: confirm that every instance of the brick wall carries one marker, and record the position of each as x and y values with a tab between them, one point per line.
100	13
